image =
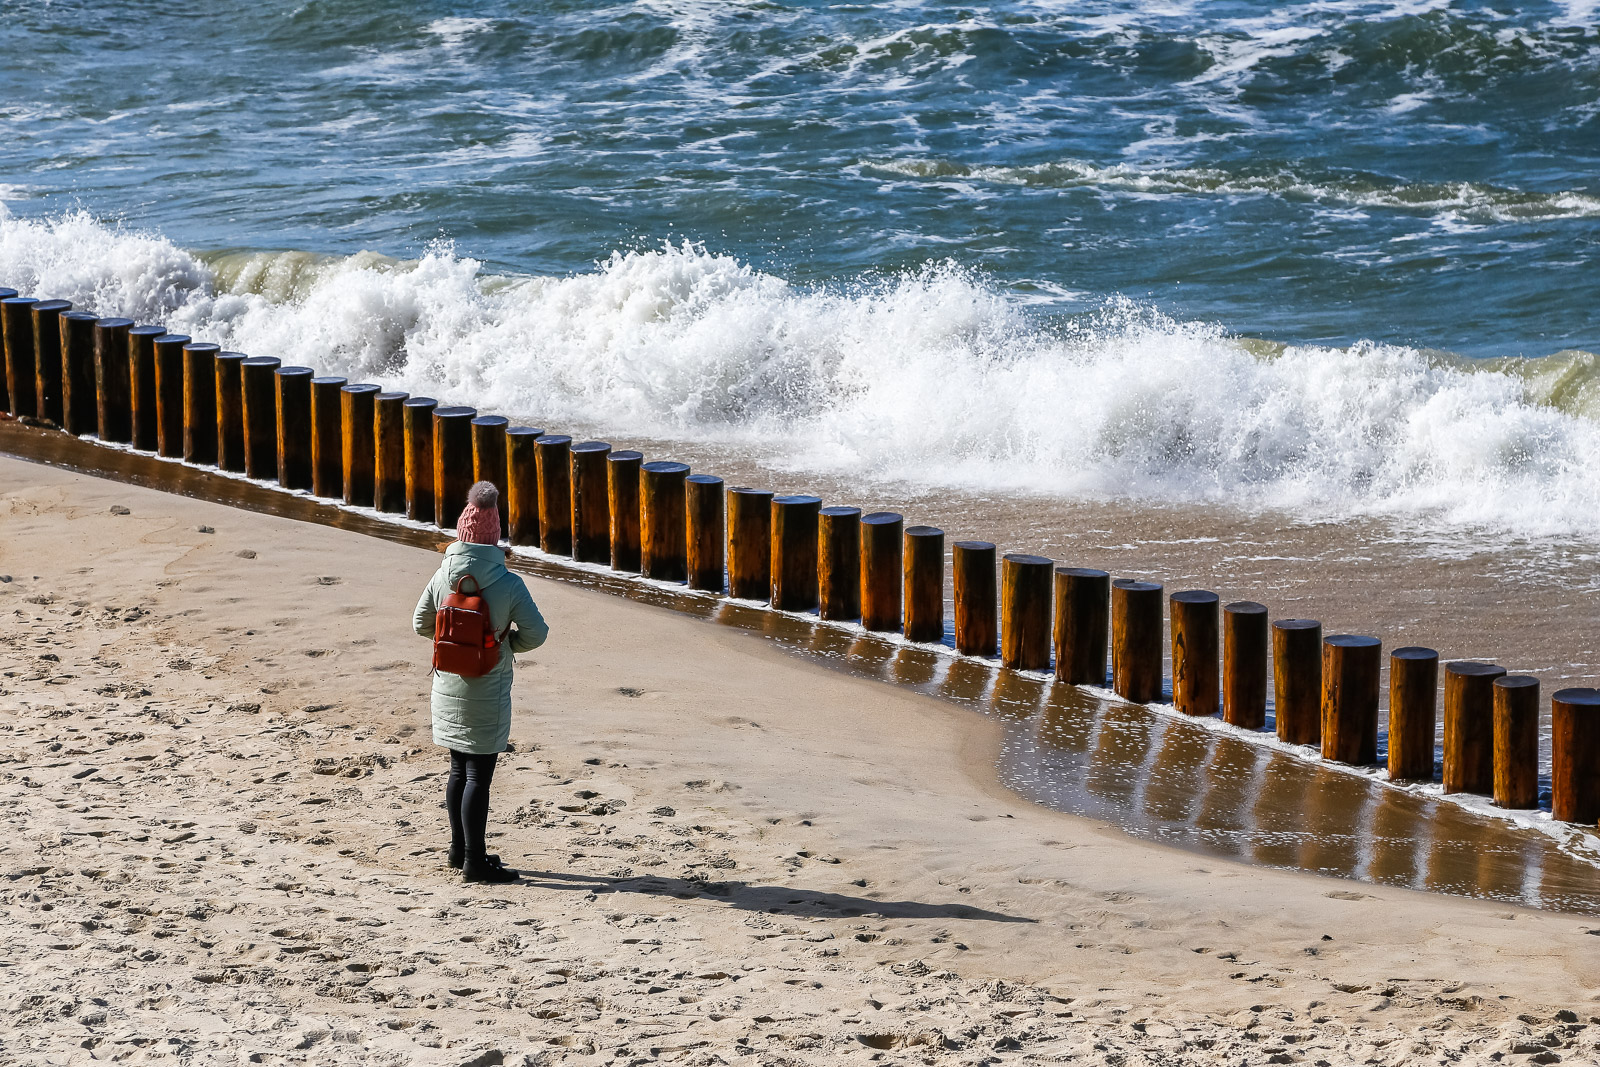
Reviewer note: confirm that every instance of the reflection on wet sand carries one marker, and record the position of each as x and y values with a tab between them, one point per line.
1071	749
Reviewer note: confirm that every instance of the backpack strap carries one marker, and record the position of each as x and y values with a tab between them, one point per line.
476	589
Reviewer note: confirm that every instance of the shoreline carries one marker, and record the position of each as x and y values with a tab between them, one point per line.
264	809
980	682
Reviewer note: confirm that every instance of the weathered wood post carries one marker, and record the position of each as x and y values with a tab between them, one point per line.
1083	617
622	496
228	385
47	358
5	393
200	402
452	462
1351	664
16	323
749	543
1025	595
976	591
553	455
1575	756
924	584
706	533
663	529
1195	641
78	393
882	570
111	380
293	399
144	403
420	503
489	459
1244	664
1516	741
258	388
358	458
839	563
169	388
794	552
591	502
1136	640
1469	726
1413	685
1297	680
389	452
327	435
522	485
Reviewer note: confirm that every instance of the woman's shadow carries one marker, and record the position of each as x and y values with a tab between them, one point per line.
773	899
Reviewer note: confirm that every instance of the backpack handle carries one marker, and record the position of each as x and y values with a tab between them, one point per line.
477	590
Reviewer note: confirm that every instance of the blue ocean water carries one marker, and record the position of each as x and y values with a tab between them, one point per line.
1415	172
1311	256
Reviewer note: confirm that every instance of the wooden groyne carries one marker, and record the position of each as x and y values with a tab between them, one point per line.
144	388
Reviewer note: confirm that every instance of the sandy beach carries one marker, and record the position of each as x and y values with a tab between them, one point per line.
223	843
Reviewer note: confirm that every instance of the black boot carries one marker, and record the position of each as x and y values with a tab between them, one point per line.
458	856
488	870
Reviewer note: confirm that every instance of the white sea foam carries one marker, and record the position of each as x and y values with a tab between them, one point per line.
936	378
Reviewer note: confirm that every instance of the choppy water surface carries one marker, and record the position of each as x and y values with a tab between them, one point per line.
1336	258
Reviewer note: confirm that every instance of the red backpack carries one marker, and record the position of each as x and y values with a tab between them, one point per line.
464	640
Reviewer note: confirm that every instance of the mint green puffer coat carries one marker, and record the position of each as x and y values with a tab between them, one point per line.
474	714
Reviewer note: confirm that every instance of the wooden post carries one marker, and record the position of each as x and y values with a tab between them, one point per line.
794	552
591	502
294	426
78	403
168	349
1025	611
1136	640
143	403
622	494
1516	741
975	590
489	459
839	563
1083	615
703	505
1351	664
1575	756
882	570
553	455
358	454
924	585
228	383
663	529
111	380
418	418
1413	688
749	543
5	393
47	358
258	389
1297	680
452	462
200	402
1194	624
327	435
389	452
16	322
1469	726
1244	664
522	485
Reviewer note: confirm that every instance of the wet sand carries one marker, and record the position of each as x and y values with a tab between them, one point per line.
223	842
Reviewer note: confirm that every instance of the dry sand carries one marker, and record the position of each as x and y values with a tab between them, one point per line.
223	843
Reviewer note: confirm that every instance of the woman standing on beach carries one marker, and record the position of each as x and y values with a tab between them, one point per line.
472	715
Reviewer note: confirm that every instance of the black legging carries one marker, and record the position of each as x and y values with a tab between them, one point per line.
466	797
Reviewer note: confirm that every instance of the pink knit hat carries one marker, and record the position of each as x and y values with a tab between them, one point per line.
479	523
